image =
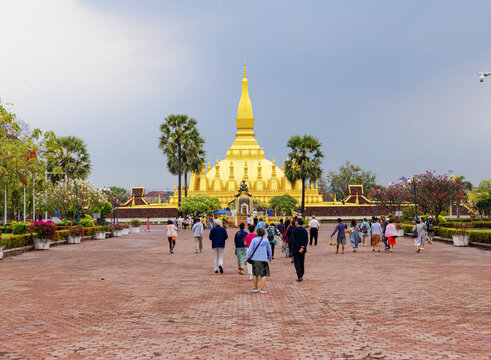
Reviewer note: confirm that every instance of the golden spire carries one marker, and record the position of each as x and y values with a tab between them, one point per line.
246	175
209	166
245	107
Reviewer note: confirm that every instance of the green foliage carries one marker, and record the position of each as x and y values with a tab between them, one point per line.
480	236
87	221
17	241
135	223
118	195
72	159
199	205
259	205
350	174
303	162
21	228
284	204
104	208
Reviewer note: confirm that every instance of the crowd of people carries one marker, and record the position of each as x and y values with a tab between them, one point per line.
255	248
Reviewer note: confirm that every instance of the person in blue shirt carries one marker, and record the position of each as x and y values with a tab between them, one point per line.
218	235
240	247
340	227
260	250
298	247
261	224
273	232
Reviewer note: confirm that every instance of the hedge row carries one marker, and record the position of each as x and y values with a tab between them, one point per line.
16	241
474	224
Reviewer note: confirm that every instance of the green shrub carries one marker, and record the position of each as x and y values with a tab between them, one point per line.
21	228
62	235
135	223
16	241
87	221
480	236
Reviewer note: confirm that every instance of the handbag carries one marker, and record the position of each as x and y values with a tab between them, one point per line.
249	259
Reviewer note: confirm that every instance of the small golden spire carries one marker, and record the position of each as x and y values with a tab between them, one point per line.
209	166
244	68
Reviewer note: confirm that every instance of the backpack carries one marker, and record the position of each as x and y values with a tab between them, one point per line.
270	234
430	226
364	228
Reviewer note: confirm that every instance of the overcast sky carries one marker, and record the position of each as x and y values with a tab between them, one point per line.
389	85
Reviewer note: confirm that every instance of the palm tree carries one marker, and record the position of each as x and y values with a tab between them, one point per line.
72	157
303	162
177	130
192	154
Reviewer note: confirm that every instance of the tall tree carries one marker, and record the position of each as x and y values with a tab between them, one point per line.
303	162
350	174
175	133
193	157
72	158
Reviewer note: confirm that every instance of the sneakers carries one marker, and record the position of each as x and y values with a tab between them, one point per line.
216	271
221	269
263	291
300	279
250	278
255	290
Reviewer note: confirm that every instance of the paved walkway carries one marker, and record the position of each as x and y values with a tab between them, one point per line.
129	298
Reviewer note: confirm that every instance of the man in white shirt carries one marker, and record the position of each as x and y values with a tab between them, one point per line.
314	227
249	220
198	235
180	220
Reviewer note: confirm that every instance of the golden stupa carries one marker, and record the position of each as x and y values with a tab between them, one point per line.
245	161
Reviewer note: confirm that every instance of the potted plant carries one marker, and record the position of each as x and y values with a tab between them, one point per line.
43	232
100	233
2	248
461	237
400	229
75	234
135	226
116	229
125	230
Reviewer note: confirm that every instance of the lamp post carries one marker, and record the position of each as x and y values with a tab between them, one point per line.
450	172
76	197
415	204
5	211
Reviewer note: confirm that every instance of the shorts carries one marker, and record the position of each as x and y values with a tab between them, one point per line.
260	268
341	240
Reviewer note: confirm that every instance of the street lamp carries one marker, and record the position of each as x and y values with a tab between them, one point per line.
414	194
450	172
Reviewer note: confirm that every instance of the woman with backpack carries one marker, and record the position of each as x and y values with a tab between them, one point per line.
365	230
272	233
430	228
240	247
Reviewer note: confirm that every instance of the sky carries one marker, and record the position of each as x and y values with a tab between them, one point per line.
389	85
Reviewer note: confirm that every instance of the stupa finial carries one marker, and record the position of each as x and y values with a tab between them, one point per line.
244	68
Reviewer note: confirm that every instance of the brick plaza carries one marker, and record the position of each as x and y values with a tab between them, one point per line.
129	298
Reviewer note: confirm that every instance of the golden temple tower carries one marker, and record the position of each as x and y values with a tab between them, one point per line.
245	161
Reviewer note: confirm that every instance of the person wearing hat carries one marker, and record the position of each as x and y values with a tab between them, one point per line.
430	229
273	232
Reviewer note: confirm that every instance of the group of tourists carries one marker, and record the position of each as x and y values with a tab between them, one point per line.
255	247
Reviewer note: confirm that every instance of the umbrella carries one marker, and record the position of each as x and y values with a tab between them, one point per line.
222	212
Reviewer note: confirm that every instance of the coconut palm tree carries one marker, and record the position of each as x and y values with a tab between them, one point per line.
72	158
303	162
176	133
193	157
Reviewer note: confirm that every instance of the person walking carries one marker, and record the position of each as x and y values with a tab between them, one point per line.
248	240
273	232
430	229
284	246
384	238
281	226
419	235
376	235
240	247
260	253
148	225
298	247
341	240
218	236
314	227
261	224
390	234
171	235
180	220
249	220
198	235
354	235
365	230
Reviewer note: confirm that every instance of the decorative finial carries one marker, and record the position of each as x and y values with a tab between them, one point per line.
244	68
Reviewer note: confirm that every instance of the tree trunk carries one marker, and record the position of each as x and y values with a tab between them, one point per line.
302	209
185	184
179	172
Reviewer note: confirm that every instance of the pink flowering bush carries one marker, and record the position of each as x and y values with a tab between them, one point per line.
43	229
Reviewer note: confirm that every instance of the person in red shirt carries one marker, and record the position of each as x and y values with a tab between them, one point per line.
248	240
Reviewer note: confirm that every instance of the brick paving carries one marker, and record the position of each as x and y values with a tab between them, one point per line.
129	298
